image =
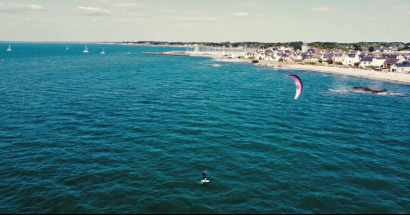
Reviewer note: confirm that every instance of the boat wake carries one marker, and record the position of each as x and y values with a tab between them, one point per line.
216	65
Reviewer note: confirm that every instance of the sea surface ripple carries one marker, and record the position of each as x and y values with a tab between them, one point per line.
129	133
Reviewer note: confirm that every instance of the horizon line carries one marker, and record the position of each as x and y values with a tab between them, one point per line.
162	41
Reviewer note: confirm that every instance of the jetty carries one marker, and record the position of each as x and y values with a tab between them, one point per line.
165	54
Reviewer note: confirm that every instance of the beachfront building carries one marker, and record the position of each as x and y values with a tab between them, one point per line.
261	56
351	58
327	57
378	62
401	67
390	62
311	59
372	62
339	57
276	56
365	62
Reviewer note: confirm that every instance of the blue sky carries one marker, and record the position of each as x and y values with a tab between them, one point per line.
210	20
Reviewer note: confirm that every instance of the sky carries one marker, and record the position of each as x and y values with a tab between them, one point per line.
205	20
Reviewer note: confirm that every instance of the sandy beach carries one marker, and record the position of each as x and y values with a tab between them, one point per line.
391	77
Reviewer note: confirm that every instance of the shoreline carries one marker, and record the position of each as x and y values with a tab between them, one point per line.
399	78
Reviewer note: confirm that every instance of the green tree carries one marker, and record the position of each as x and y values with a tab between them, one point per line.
320	60
330	61
281	60
357	48
404	48
371	49
357	64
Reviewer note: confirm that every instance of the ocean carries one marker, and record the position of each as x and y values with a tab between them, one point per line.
131	133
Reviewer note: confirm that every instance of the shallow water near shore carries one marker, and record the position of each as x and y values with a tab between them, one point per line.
130	133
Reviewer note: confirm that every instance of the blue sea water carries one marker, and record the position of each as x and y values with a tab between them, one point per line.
130	133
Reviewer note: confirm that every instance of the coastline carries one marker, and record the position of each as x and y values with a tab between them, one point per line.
382	76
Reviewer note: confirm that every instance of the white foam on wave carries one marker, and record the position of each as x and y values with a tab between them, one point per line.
216	65
396	94
339	91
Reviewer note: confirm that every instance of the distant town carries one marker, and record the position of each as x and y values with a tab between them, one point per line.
376	56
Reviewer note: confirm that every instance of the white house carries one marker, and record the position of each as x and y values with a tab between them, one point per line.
351	59
365	62
326	57
339	57
390	62
401	67
276	56
311	59
260	56
378	62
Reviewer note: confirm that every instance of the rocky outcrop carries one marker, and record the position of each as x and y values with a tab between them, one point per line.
370	90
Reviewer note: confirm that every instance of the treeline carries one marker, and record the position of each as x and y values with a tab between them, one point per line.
295	45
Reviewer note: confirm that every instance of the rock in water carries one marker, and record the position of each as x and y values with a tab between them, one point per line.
370	90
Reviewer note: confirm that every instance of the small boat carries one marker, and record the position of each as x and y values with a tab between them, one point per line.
86	50
67	47
9	49
103	52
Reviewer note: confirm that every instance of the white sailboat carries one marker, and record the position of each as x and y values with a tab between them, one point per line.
103	52
86	50
9	49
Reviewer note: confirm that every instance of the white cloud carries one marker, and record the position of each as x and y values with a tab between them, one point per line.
324	9
19	8
167	11
241	14
92	11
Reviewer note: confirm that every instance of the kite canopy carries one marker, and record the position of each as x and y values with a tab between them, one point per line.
299	85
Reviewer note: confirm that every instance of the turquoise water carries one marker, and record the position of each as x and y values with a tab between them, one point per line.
128	133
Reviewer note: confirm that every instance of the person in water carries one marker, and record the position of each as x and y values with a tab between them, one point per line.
204	175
